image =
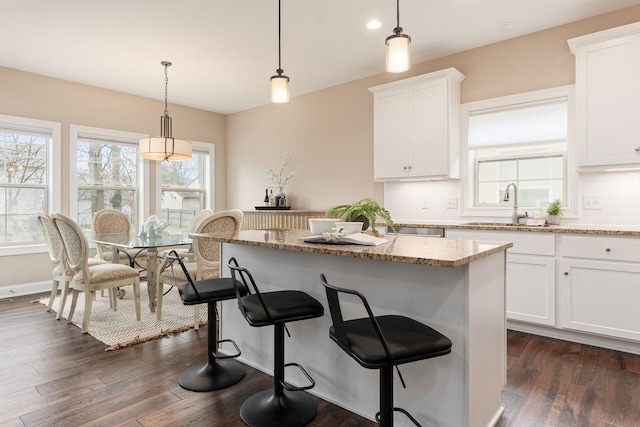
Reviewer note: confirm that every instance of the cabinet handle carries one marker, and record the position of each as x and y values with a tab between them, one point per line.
608	249
410	167
566	273
637	148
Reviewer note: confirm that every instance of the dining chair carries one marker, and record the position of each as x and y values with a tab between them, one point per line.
60	270
107	221
199	216
88	279
205	262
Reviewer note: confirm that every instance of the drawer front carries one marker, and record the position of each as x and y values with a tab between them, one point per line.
523	243
603	248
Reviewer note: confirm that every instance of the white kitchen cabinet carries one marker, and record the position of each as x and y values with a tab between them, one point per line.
531	273
416	127
600	289
608	98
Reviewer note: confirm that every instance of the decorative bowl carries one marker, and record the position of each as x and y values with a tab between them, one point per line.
321	225
350	227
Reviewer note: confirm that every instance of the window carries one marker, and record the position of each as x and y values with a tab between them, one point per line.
29	180
522	139
186	187
107	173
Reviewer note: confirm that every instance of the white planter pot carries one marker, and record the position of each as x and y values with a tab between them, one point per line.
553	219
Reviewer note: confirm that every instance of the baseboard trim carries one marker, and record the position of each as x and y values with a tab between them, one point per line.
578	337
25	289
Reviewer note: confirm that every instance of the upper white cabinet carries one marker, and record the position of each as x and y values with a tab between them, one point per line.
416	127
608	97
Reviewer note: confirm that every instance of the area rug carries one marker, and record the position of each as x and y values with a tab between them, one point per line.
120	328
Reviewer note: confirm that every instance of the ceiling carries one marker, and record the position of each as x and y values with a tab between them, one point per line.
224	52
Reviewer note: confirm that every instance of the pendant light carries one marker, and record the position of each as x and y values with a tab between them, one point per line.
279	82
165	147
398	48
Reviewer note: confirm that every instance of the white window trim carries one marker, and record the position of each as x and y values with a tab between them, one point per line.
54	171
142	167
209	201
467	164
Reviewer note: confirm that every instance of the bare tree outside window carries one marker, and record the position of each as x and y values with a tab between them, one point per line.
23	185
107	178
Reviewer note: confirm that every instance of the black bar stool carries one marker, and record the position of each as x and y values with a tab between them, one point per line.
216	373
382	342
283	406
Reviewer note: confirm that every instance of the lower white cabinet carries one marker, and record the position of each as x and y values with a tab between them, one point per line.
531	289
600	285
569	285
531	273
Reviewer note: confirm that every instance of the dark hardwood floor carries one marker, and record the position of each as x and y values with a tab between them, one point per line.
52	375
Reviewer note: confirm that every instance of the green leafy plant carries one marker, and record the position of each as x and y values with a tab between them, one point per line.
554	207
365	209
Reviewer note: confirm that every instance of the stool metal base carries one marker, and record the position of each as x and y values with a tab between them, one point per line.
292	409
211	376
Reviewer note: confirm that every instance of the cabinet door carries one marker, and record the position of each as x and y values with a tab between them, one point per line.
390	135
601	297
531	289
608	101
428	139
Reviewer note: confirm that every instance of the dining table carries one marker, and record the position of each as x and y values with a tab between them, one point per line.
150	245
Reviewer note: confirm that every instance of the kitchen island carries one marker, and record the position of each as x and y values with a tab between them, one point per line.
454	286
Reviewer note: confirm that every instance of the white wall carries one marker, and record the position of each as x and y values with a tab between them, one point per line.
620	193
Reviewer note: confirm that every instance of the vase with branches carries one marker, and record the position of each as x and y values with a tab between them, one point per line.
280	179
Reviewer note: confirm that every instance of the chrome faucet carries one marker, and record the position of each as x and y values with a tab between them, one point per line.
516	216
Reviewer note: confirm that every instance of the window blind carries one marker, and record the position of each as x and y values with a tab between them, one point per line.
516	125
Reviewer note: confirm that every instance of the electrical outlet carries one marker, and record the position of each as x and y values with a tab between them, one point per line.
592	201
452	203
425	204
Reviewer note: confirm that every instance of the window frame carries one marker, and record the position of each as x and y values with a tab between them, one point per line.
54	170
477	161
142	168
468	161
209	197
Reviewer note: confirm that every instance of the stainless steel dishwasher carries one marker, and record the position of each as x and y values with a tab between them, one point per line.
421	231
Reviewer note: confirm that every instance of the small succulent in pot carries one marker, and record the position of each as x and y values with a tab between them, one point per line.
365	210
554	211
554	207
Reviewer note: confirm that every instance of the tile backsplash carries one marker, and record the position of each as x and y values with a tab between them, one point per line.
608	198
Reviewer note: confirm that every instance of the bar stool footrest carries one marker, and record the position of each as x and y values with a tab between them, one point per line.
407	414
306	374
227	356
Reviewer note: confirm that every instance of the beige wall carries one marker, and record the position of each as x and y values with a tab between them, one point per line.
329	133
30	95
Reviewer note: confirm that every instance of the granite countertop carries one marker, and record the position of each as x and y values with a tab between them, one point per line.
449	253
595	229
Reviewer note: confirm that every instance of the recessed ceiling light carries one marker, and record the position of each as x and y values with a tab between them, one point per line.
509	25
374	24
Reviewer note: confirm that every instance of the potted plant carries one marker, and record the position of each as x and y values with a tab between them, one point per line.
365	210
554	212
